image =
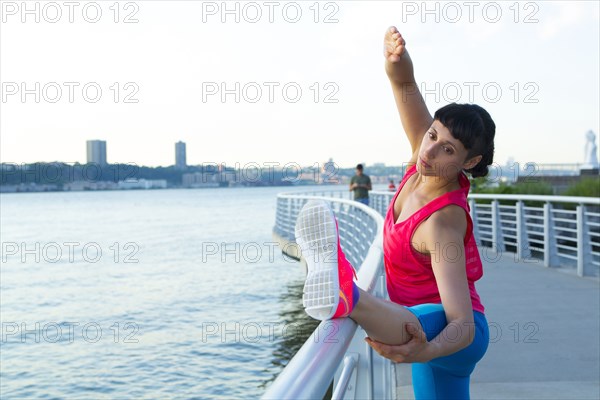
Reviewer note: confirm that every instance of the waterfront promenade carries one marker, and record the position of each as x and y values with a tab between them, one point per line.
544	334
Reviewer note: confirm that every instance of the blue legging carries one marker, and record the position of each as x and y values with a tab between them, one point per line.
447	377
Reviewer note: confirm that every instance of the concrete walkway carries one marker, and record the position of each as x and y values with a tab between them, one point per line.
544	334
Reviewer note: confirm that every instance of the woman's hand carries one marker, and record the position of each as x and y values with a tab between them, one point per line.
394	45
417	350
413	111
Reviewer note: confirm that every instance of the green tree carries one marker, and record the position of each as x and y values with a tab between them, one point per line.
586	187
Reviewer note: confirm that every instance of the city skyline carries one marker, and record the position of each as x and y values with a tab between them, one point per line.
96	152
198	92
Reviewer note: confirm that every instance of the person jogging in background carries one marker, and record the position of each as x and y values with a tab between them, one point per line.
361	184
434	319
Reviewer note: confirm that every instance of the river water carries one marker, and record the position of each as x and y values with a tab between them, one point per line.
145	294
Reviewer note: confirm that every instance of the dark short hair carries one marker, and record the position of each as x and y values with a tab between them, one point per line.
474	128
359	166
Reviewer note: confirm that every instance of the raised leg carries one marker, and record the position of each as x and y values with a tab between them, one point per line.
383	320
329	290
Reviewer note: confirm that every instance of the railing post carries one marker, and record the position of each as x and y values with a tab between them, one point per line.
550	253
523	251
370	377
278	216
584	245
497	238
289	229
374	202
346	385
393	381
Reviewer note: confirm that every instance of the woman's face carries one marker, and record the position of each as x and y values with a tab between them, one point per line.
442	155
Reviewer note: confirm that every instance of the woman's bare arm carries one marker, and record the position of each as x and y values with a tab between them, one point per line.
442	237
444	232
414	114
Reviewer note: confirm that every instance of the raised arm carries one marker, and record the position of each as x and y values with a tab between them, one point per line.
414	114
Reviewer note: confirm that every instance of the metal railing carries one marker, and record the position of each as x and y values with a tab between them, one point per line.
558	230
336	348
358	225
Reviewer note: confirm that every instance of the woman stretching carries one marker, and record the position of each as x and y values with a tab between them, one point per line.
435	319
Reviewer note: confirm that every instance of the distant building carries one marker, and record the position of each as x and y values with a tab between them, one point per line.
96	152
143	184
180	158
202	180
76	186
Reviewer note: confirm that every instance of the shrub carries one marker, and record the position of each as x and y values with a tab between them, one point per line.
533	188
587	187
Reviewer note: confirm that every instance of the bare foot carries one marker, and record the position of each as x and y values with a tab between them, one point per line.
394	45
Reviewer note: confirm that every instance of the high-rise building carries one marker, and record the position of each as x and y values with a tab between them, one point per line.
96	152
180	162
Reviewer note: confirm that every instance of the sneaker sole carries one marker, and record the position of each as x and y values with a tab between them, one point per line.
317	236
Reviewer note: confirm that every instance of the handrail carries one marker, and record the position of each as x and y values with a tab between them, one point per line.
523	197
310	371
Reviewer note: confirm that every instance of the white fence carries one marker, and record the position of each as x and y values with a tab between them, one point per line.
337	348
562	231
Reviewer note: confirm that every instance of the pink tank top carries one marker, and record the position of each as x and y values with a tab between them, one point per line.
410	278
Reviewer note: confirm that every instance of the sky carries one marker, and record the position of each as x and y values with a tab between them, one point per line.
288	82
